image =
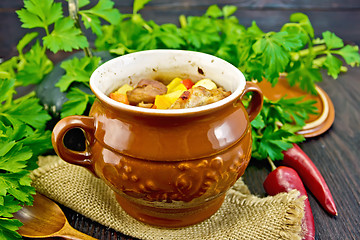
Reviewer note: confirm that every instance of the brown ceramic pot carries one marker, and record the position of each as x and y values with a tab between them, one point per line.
168	168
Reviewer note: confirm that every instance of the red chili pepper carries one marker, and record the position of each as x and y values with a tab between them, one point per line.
188	83
311	177
285	179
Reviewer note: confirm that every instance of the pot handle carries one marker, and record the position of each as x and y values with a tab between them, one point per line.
81	158
256	101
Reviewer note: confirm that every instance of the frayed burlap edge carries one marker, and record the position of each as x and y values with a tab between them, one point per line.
242	215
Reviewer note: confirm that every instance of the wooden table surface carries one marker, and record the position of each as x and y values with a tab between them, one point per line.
336	152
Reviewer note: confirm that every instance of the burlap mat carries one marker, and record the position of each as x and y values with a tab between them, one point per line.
242	215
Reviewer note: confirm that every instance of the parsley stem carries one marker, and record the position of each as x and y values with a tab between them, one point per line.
44	47
343	69
47	31
319	62
27	96
10	101
315	49
147	27
182	20
73	12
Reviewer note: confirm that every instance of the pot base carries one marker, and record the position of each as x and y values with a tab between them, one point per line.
170	218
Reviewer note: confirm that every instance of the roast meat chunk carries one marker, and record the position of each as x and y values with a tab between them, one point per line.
146	91
199	96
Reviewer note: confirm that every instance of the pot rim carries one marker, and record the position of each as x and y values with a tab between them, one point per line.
235	95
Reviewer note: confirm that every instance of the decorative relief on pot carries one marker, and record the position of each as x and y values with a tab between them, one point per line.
174	181
196	178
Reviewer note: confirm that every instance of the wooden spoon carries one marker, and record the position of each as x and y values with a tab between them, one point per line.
46	219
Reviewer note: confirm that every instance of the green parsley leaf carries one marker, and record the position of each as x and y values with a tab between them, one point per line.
350	54
77	70
8	228
228	10
39	142
25	41
201	33
126	33
13	162
214	11
28	112
231	33
274	57
294	138
6	86
274	129
298	32
253	69
226	52
120	49
273	49
333	64
304	22
254	30
5	148
9	206
65	37
35	65
77	103
109	39
39	13
258	122
166	36
290	41
83	3
139	4
304	75
169	35
103	9
14	159
332	41
272	144
296	108
8	68
16	188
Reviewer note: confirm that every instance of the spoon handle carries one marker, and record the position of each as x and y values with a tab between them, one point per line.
68	232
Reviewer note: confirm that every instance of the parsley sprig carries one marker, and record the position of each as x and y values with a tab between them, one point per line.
22	138
274	129
46	14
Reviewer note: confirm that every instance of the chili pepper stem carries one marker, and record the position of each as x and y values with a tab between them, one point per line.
273	167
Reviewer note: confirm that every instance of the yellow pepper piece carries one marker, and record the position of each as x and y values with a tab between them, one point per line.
206	83
166	100
180	87
175	85
124	88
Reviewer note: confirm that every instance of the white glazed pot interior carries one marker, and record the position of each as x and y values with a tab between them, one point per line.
165	65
